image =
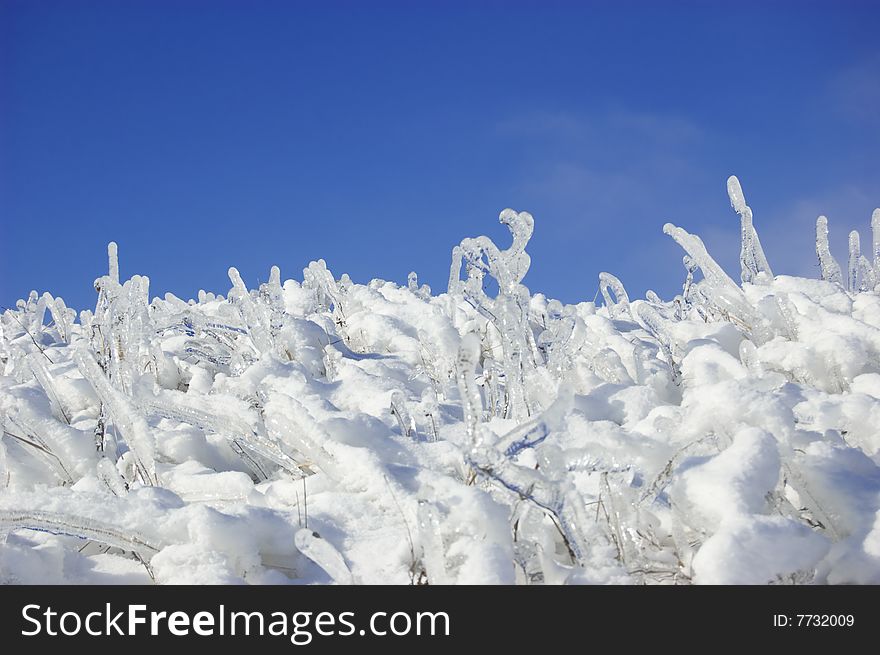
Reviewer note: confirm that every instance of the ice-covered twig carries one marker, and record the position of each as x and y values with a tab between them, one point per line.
875	241
75	526
468	357
618	306
752	259
231	428
404	418
113	258
41	373
322	553
830	269
854	278
720	290
130	424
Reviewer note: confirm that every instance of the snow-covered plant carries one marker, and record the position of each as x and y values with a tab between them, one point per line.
330	431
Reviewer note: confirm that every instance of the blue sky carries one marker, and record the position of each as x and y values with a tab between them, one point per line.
377	135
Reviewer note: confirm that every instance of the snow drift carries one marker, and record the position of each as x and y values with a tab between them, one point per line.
326	431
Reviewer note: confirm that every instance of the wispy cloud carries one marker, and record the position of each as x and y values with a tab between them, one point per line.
615	176
611	176
608	164
855	91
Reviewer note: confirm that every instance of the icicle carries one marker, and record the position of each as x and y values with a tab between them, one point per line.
431	408
829	267
854	277
516	260
113	257
867	279
41	373
511	327
274	299
875	237
258	332
650	319
35	439
4	464
720	289
431	541
109	475
454	285
287	419
230	428
130	424
687	294
61	315
468	358
322	553
619	306
39	313
748	355
412	283
875	240
401	413
78	526
752	259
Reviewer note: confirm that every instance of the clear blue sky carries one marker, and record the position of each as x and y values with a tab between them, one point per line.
200	135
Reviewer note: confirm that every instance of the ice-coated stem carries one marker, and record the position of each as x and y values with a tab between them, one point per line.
41	373
853	279
113	259
404	419
752	259
84	528
468	357
619	305
720	290
322	553
875	239
830	269
130	424
4	466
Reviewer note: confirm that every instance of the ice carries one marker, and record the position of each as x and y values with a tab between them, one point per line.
84	528
324	555
618	306
113	257
828	265
722	292
130	424
404	418
752	259
875	240
854	277
468	358
43	376
485	435
4	463
412	283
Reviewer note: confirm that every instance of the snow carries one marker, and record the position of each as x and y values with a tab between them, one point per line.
324	431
